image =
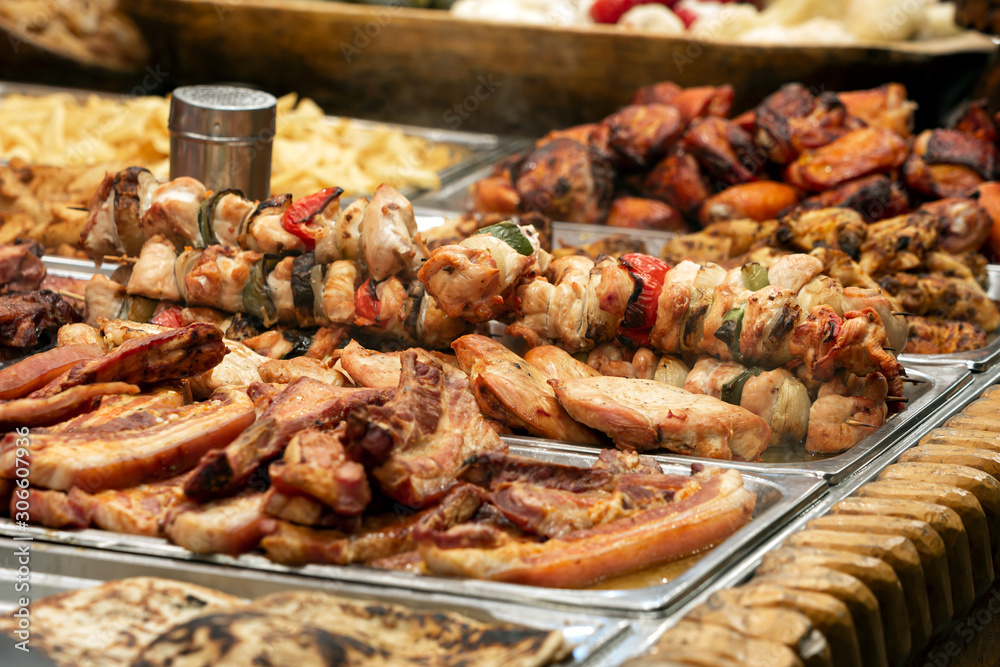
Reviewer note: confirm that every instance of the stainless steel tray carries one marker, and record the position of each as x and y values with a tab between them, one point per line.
779	497
976	360
938	386
56	569
484	149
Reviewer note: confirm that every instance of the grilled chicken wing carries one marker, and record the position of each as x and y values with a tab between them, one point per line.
943	296
511	390
875	197
644	414
565	180
885	107
836	228
760	201
726	150
641	213
965	225
858	153
640	133
792	121
679	181
934	336
899	244
696	102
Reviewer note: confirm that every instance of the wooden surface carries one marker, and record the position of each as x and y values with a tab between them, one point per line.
415	66
973	641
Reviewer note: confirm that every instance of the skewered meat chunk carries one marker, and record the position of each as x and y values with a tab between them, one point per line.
565	180
639	134
511	390
387	230
641	213
679	181
760	201
932	336
792	121
875	197
856	154
884	107
725	150
557	364
419	439
173	212
644	414
829	429
696	102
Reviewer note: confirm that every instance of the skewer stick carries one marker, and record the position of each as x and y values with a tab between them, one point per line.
854	422
79	208
904	313
71	295
913	380
121	259
898	399
890	349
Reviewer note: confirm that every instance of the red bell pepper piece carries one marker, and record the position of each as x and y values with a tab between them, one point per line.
299	216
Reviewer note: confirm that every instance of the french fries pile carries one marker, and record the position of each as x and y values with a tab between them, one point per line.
311	152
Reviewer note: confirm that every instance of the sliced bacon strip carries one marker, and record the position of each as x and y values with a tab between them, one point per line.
711	514
303	404
36	371
53	509
139	510
230	526
58	406
156	445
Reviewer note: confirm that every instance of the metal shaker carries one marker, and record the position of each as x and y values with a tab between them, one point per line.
222	136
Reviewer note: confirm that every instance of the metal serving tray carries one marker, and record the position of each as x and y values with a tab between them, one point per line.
779	497
938	386
484	149
976	360
57	569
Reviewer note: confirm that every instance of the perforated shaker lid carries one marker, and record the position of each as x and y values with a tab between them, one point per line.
223	113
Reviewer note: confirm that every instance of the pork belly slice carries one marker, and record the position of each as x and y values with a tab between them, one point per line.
56	407
315	464
644	414
304	403
173	354
417	442
379	536
230	526
20	379
307	511
121	410
53	509
108	625
139	510
718	507
153	447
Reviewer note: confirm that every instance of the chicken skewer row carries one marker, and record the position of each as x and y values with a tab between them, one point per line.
290	291
131	208
788	315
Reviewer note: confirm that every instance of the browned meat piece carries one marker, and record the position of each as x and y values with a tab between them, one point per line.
857	343
496	193
693	103
884	107
514	392
640	133
114	222
565	180
718	507
138	510
24	377
944	297
174	354
954	147
829	429
645	414
284	371
834	228
965	225
20	268
899	244
940	180
304	403
933	336
379	537
678	180
29	319
854	155
875	197
307	511
594	135
316	465
725	150
230	526
641	213
137	448
417	442
792	121
974	118
52	509
760	201
57	406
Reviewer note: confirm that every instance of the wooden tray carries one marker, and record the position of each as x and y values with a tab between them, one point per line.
426	67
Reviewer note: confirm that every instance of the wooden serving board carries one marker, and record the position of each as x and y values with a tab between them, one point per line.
428	68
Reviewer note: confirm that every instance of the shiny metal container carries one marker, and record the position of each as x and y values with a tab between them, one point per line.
222	136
